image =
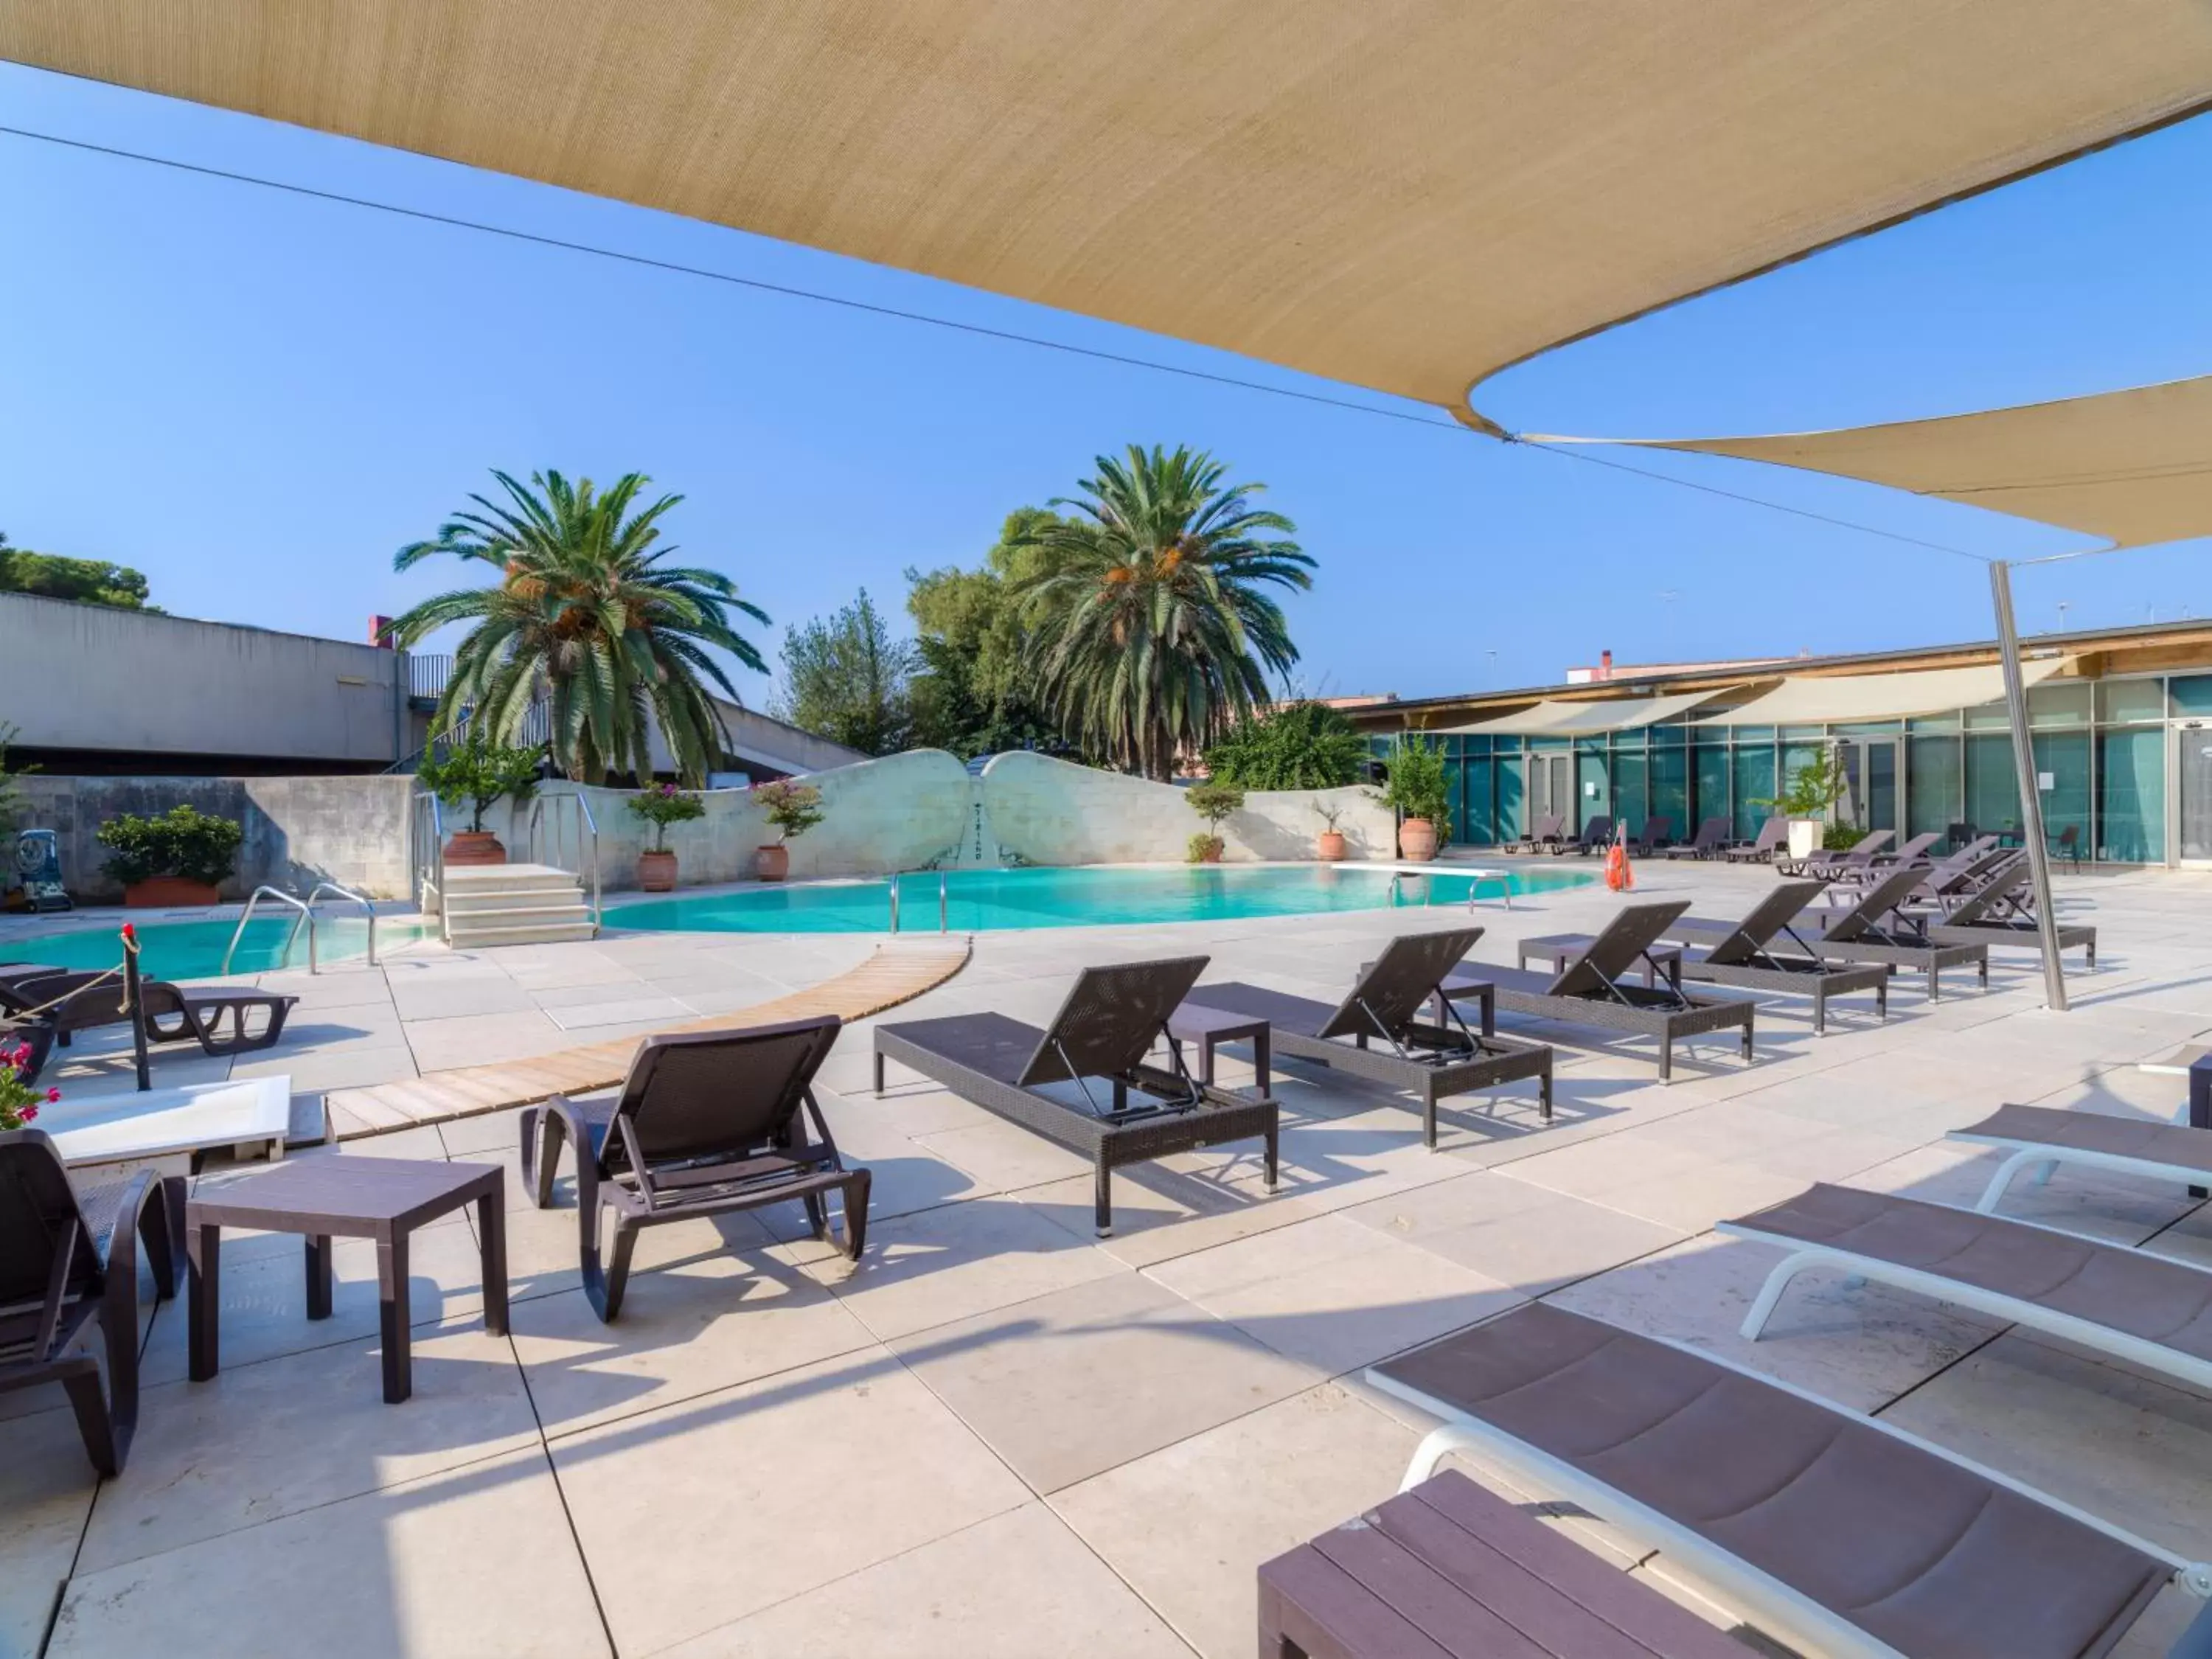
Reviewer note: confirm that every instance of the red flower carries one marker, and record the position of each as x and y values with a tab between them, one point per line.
27	1113
52	1094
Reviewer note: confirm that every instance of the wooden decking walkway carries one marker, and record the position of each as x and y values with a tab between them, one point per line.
895	974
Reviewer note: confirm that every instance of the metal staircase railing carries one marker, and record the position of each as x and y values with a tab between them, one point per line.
307	916
551	833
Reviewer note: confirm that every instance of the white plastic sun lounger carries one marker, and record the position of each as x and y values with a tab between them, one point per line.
1839	1532
2045	1137
2144	1310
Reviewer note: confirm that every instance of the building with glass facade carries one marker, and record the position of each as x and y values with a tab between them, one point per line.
2121	723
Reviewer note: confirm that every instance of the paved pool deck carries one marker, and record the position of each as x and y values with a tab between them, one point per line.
997	1436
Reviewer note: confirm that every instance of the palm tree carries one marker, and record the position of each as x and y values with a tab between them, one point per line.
1152	633
585	616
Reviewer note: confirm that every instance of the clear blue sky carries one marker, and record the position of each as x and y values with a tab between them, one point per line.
255	398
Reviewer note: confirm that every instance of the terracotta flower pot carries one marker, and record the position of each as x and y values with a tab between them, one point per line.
167	892
474	847
1417	840
1332	846
772	863
656	871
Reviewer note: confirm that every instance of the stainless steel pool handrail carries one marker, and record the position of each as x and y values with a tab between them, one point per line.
367	909
428	830
944	901
587	838
306	916
943	898
895	899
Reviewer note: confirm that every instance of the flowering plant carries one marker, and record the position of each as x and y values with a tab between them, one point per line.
19	1100
665	805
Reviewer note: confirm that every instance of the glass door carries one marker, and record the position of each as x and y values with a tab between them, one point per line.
1870	798
2194	779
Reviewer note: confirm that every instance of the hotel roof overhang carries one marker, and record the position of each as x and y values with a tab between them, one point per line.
2133	467
1556	718
1407	198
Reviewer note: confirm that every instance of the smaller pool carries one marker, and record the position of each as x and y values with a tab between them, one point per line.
978	901
193	949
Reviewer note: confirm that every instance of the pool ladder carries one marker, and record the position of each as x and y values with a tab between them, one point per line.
306	916
944	900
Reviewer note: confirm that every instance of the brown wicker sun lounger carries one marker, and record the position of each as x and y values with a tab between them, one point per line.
1878	928
1104	1031
1829	867
2145	1310
2002	913
1773	835
1596	836
1834	1532
1431	1058
706	1122
1655	833
224	1020
1711	839
69	1263
1594	990
2043	1137
1744	956
1548	836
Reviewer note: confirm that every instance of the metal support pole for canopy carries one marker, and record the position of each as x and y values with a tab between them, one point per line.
2031	799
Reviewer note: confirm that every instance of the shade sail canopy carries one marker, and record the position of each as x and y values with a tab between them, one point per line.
2134	466
1557	718
1845	698
1407	195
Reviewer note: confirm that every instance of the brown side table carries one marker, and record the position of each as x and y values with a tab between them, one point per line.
1209	1028
385	1199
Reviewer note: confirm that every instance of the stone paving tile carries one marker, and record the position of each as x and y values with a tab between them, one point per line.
45	1493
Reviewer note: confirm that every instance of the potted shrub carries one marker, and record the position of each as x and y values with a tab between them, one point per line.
1814	789
181	857
1419	790
1330	847
1213	802
656	865
474	775
794	808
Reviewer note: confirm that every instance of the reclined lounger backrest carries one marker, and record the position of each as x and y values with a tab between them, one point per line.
37	1218
1398	983
1877	901
1978	905
1614	952
1763	921
707	1096
1110	1019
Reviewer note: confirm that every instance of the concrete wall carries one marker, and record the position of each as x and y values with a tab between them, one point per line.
88	676
352	830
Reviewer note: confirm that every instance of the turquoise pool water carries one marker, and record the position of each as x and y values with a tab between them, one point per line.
193	949
983	900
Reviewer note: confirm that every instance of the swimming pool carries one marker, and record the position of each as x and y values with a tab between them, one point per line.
193	949
978	901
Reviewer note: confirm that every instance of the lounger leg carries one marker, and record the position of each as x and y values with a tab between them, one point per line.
1271	1157
1102	1214
1429	1119
93	1422
1666	1060
618	1265
1820	1011
2045	1171
1882	998
491	1246
855	1200
879	1071
542	1135
1985	971
1438	1444
394	1321
1544	1089
204	1274
1748	1019
1935	985
319	1276
1762	1309
2012	1166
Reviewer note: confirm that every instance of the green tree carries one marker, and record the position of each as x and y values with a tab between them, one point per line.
1293	745
844	678
88	582
971	686
586	616
1152	634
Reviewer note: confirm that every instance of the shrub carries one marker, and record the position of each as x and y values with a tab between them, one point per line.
1418	785
792	807
477	772
1841	838
182	842
665	806
1293	745
1203	848
1215	801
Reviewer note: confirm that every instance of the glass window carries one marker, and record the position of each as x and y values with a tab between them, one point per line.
1547	743
2124	702
1867	729
1803	732
1753	733
1935	786
1479	818
2064	759
2059	705
1992	787
2192	694
1670	792
1510	823
1989	717
1709	799
1946	721
1754	772
1592	798
2132	796
1474	746
1454	815
1795	757
1631	790
1635	739
1664	735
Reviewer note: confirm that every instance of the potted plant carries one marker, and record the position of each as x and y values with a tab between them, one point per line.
1814	789
1213	802
19	1100
1418	788
794	808
661	807
1330	848
181	857
475	773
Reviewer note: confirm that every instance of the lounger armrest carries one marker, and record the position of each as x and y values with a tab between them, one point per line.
577	1123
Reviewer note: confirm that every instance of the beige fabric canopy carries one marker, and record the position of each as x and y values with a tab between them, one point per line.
1852	697
1405	194
2134	466
1557	718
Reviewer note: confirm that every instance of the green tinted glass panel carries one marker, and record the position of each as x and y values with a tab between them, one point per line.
1593	796
2059	706
1709	795
1935	786
2125	702
1992	788
1479	819
1670	791
2132	796
1631	790
2064	759
1455	818
1754	777
1511	820
2192	694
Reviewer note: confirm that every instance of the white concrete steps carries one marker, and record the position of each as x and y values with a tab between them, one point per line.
514	904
